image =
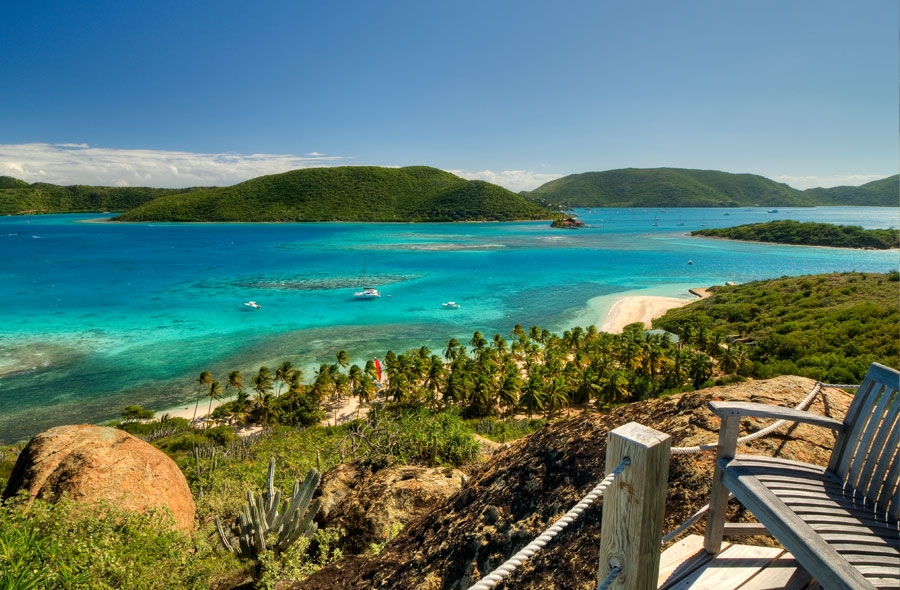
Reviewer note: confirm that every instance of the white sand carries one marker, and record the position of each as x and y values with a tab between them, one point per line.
643	308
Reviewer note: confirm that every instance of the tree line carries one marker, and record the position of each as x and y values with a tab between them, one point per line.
533	372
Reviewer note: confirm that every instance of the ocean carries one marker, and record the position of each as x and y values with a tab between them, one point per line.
99	315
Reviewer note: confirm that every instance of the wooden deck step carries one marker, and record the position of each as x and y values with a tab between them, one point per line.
686	566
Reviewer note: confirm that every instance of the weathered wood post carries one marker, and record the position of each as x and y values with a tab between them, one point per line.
634	507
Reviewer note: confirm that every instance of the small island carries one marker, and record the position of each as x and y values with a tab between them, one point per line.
808	234
567	222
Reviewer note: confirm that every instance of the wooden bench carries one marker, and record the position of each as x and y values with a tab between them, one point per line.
839	522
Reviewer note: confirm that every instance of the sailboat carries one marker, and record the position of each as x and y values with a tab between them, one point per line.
367	292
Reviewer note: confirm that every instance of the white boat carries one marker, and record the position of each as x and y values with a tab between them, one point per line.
367	293
450	305
252	305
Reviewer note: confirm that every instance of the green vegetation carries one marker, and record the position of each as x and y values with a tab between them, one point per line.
808	234
827	327
675	187
20	198
879	193
345	193
268	523
67	545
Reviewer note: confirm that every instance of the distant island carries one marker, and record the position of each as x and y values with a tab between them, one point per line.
808	234
677	187
422	193
345	193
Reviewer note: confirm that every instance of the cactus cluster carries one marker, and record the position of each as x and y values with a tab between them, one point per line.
266	522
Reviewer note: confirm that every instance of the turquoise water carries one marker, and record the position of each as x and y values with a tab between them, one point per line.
97	316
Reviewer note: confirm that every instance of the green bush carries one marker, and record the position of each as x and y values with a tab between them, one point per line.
65	545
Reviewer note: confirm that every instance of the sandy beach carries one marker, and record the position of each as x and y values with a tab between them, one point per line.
627	310
643	308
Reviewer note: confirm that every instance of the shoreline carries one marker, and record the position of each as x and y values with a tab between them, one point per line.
645	309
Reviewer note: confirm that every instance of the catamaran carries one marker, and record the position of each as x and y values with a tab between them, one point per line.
367	293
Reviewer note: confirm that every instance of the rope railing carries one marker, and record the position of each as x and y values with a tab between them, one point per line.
495	577
804	404
614	572
509	566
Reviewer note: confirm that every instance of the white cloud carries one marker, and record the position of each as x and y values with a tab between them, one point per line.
514	180
805	182
78	163
71	163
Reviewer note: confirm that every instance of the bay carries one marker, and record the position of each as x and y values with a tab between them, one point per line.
99	315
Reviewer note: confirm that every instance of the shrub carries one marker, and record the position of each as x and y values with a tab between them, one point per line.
65	545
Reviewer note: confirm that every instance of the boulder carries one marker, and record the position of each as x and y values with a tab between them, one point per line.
96	464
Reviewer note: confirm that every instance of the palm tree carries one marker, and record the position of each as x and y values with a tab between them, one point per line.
343	358
436	376
235	381
613	388
323	382
557	395
478	343
215	393
454	350
510	387
240	406
701	369
283	375
262	383
532	399
203	380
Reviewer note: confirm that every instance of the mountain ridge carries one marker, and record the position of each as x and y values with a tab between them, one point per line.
683	187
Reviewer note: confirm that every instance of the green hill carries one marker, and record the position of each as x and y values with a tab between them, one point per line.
880	193
19	197
676	187
808	234
345	193
828	327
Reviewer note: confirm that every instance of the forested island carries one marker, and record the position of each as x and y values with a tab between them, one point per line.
20	198
808	234
678	187
421	193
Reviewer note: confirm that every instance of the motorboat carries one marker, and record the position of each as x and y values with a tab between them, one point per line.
450	305
367	293
251	305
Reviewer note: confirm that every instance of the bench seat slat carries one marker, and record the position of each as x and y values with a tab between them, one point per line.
840	522
817	544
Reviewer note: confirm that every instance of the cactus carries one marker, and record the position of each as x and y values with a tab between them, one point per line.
268	523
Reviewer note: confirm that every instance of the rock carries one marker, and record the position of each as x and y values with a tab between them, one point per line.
370	506
93	464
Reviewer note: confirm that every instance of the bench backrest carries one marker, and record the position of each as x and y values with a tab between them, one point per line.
867	452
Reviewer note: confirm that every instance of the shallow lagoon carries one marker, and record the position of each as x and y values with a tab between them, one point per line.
97	316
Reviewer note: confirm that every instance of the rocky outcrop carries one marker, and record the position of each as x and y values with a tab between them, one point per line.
95	464
372	507
526	487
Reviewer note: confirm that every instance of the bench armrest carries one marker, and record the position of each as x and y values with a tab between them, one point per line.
748	409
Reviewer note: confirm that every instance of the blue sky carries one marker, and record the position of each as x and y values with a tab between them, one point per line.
166	93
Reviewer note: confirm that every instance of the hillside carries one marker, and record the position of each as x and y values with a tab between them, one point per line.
828	327
675	187
18	197
345	193
808	234
526	487
880	193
